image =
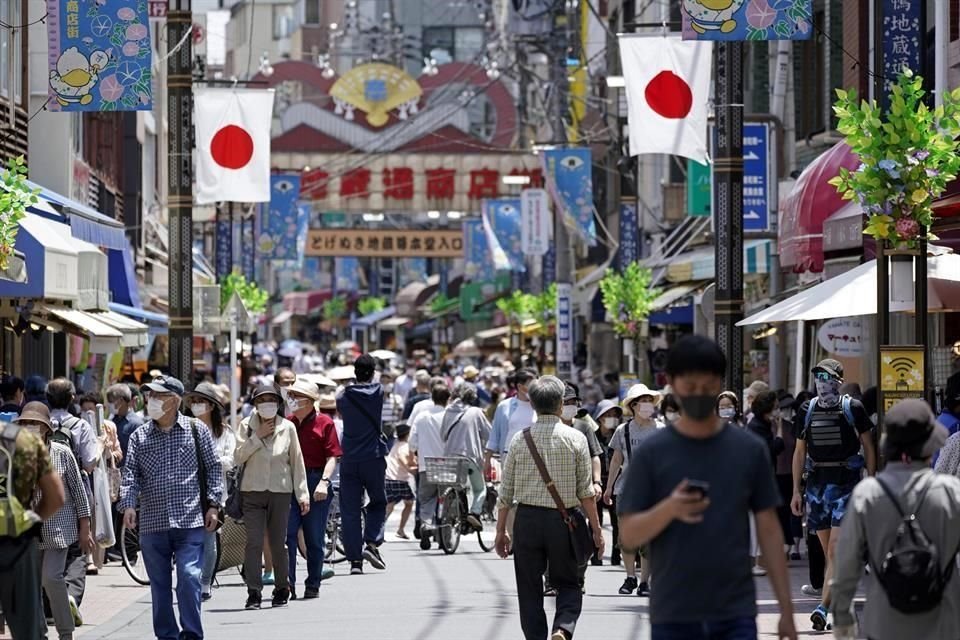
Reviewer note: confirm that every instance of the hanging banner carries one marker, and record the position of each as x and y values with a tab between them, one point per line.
549	266
739	20
312	275
346	274
282	230
99	56
629	251
385	243
564	329
501	261
699	185
901	42
536	222
248	257
569	177
479	263
224	245
413	270
504	216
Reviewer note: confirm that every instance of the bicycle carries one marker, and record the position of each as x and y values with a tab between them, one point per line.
334	553
450	475
130	554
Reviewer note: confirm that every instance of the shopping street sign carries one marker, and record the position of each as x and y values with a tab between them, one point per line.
757	174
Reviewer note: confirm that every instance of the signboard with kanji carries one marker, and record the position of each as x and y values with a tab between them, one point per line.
842	337
901	374
901	41
385	243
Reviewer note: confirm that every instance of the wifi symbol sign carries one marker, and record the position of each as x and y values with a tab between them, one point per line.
904	367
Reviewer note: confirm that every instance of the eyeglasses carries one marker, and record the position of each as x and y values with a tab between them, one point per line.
823	376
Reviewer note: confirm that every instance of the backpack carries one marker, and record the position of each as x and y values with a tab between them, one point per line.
910	572
845	405
15	518
61	432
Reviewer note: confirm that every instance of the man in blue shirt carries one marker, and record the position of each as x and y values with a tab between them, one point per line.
512	416
162	475
121	413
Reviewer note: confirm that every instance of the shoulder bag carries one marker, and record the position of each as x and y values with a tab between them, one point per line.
233	505
580	538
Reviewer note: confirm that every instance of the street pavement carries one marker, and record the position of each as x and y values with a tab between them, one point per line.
422	596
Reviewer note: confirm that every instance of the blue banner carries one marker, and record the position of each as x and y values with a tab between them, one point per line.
311	275
569	175
283	231
756	171
504	216
248	257
224	245
901	42
346	275
99	55
413	270
550	266
741	20
629	251
476	252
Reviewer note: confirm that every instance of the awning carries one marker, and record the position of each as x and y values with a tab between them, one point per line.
51	261
85	223
392	324
700	264
93	281
529	326
854	293
844	229
281	317
804	210
305	303
410	297
586	288
134	333
103	338
670	296
158	323
123	278
373	318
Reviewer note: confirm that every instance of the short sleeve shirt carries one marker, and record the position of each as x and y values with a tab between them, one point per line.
619	443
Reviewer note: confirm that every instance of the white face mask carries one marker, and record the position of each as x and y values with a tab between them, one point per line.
727	413
115	408
645	410
283	394
610	423
199	409
155	408
569	411
267	410
672	416
293	404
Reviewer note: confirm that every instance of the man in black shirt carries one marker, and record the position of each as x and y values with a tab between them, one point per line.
831	429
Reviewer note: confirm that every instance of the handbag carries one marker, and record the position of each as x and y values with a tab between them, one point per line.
580	538
202	478
113	476
233	505
103	532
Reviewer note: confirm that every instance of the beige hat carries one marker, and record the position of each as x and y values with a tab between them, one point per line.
327	402
304	388
470	372
638	391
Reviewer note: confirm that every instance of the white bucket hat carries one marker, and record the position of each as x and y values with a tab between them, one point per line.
638	391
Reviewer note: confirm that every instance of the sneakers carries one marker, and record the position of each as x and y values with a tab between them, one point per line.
253	600
267	578
311	593
75	612
759	571
643	590
326	573
559	634
629	586
205	594
281	597
372	555
474	521
819	619
596	561
810	590
356	568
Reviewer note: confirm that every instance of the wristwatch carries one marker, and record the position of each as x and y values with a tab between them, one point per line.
327	480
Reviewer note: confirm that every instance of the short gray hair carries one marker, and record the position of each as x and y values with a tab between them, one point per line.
119	392
467	393
546	395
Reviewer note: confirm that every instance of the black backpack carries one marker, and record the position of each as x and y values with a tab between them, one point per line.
61	432
910	572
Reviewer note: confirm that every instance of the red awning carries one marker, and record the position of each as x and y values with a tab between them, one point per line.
804	210
303	303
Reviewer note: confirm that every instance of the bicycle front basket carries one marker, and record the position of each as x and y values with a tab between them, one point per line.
446	470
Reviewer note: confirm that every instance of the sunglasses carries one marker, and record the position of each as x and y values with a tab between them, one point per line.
823	376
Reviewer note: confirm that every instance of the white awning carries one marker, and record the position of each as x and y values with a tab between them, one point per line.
93	282
103	338
673	294
134	333
281	317
60	268
393	324
854	293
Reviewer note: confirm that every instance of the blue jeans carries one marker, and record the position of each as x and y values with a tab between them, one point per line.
159	551
355	478
744	628
209	558
314	532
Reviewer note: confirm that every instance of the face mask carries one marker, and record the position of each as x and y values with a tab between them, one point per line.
155	408
698	408
267	410
828	392
569	411
293	404
727	413
283	394
645	410
672	416
610	423
199	409
116	409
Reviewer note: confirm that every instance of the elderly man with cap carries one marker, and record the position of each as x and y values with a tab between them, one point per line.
162	477
831	430
320	446
875	515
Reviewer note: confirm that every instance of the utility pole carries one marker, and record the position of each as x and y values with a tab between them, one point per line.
561	39
180	189
728	205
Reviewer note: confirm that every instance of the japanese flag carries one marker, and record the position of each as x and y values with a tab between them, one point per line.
668	87
233	144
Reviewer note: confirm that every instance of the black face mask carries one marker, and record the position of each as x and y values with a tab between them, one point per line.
698	408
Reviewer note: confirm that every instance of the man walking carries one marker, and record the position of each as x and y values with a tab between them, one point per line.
906	488
512	416
162	476
426	440
363	467
687	494
464	429
122	414
548	473
831	431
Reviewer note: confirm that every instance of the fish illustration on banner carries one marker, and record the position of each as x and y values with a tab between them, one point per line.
569	177
504	215
479	265
346	274
99	55
739	20
283	230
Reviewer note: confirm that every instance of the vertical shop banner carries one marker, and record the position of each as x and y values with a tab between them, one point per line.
629	251
99	55
549	266
699	189
536	222
476	252
282	234
413	270
224	245
901	42
311	274
739	20
504	215
569	176
248	257
564	325
347	274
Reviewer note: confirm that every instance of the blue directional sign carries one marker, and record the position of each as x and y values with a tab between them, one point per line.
756	176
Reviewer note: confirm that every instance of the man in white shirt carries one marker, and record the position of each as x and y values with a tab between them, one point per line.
427	403
427	440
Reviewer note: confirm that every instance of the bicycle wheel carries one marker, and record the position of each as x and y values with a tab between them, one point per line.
130	554
334	553
448	521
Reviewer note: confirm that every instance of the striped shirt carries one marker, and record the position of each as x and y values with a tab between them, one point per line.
60	531
392	408
567	457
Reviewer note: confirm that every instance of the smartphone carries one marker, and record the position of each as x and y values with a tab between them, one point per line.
698	486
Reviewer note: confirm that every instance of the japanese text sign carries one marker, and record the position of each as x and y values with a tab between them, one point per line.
536	222
629	251
901	40
385	243
842	337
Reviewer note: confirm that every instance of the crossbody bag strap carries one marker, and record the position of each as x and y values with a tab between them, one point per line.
547	480
446	436
201	469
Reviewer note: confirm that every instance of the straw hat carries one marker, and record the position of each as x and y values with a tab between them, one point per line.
327	402
470	372
305	388
638	391
35	412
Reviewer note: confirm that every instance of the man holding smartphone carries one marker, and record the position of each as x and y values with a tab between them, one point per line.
690	486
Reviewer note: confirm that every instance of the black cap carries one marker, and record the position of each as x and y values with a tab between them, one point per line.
164	384
266	390
831	367
207	391
910	426
570	392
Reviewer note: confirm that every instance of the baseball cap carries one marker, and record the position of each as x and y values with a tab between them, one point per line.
829	366
570	392
910	424
164	384
267	390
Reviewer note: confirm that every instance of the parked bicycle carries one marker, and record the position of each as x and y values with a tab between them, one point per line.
334	552
450	476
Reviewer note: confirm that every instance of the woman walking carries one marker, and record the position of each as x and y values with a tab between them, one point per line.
269	449
207	407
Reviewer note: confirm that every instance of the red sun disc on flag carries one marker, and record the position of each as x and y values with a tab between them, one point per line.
232	147
669	95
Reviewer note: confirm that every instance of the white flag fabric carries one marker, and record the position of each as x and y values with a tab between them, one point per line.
536	221
668	88
233	144
501	261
